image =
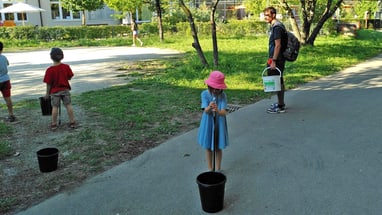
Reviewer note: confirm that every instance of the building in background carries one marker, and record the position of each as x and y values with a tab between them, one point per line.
56	15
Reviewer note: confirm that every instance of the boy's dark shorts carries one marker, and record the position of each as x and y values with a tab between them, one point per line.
5	88
62	95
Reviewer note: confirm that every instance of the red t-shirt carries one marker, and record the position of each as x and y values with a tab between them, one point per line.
58	77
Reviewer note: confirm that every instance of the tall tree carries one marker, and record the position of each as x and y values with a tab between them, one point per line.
309	11
214	38
313	13
83	5
159	15
196	43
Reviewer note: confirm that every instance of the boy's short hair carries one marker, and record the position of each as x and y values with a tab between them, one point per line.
56	54
1	46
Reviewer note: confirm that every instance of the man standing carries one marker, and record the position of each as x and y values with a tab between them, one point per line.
277	42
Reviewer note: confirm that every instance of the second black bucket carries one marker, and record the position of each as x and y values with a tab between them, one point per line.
47	159
46	106
211	190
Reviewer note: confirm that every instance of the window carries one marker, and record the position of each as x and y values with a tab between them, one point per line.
60	13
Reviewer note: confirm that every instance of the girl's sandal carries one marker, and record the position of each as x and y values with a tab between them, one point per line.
53	127
73	125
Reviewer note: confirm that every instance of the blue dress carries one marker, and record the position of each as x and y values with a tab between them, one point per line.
206	129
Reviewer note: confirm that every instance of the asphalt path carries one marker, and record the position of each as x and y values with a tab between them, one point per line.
94	68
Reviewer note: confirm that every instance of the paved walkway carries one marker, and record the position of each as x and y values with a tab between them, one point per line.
92	68
325	158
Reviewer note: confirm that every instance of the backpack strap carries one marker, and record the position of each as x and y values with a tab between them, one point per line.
284	39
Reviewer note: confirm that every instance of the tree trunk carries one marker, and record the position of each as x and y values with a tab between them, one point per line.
328	13
83	18
196	43
308	13
292	19
214	38
160	25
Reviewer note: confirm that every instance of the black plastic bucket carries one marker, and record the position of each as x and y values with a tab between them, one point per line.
47	159
46	106
211	190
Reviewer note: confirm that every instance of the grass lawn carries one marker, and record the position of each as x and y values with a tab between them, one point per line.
164	98
167	88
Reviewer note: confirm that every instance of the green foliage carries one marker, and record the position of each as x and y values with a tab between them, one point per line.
124	5
176	15
82	5
362	6
4	130
63	33
6	203
254	7
234	27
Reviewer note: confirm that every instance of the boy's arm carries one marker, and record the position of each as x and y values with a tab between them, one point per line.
48	86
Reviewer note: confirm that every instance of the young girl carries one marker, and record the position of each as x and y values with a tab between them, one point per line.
214	104
134	29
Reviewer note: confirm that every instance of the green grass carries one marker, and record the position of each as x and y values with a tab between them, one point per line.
164	97
144	109
5	203
151	107
5	148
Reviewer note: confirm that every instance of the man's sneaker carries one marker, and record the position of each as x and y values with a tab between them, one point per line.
11	118
276	108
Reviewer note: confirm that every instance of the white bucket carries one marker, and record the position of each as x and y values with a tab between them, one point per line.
271	83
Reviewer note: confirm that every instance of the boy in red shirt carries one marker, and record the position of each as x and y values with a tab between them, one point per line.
57	79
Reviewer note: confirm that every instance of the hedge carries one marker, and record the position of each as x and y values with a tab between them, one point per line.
232	28
109	31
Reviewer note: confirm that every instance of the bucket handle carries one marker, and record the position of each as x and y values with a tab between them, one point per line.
262	74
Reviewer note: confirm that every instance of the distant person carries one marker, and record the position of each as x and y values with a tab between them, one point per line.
214	104
5	84
57	79
276	59
134	29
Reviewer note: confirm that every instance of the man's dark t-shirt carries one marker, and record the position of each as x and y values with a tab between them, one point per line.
276	32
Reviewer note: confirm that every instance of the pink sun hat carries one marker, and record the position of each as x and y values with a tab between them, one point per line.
216	80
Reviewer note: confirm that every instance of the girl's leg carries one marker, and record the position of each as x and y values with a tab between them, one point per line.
209	159
139	40
134	37
219	156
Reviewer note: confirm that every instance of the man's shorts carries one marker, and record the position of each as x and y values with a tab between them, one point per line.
280	64
5	88
62	95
